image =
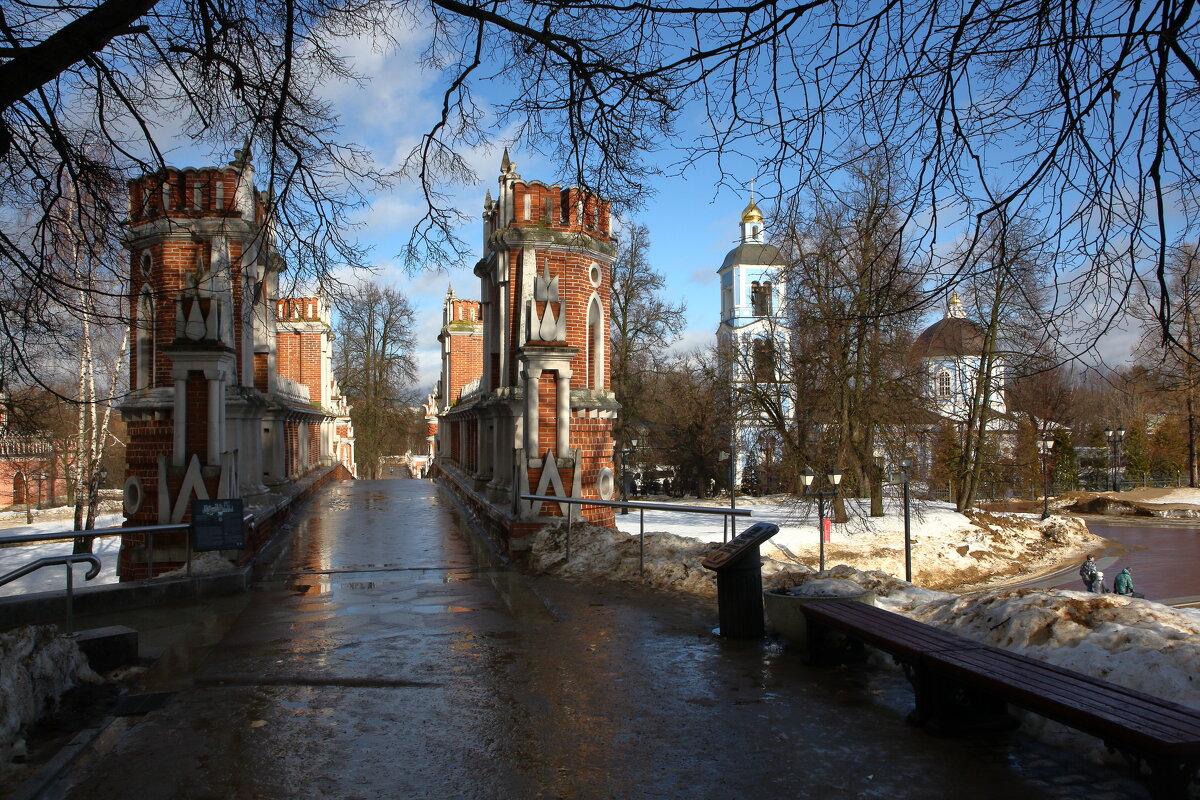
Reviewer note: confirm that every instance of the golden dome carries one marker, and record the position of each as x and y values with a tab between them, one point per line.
751	213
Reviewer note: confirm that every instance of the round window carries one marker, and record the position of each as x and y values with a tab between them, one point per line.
594	275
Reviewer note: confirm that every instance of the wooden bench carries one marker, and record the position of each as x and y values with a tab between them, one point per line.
906	639
948	671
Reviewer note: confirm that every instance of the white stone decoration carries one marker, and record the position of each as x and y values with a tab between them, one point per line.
131	495
605	484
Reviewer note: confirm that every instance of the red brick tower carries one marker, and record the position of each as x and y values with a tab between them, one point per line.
542	418
209	415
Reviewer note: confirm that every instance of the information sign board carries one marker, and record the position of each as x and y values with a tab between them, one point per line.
217	525
753	536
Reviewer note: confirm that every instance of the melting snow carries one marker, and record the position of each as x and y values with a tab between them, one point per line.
36	667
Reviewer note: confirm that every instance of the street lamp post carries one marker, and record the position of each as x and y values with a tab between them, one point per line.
905	464
41	479
1115	439
1046	443
728	520
633	443
834	477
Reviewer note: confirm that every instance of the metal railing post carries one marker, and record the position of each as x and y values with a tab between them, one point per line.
570	519
70	600
641	541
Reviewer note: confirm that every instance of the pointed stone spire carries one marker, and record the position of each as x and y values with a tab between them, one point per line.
449	291
508	169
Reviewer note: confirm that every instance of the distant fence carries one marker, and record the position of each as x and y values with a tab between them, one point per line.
1000	490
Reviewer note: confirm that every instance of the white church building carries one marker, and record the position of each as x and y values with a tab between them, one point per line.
753	330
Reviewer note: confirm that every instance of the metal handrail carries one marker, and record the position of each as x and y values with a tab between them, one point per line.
173	527
50	561
641	507
51	537
152	530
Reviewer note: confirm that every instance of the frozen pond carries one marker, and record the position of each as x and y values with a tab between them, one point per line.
1163	557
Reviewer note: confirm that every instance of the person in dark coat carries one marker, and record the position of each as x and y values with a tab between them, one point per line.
1088	572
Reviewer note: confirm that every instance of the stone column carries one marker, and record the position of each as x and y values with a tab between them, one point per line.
563	416
531	412
216	405
179	418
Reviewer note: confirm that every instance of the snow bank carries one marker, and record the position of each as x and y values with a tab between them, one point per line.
824	588
671	561
204	563
36	667
949	550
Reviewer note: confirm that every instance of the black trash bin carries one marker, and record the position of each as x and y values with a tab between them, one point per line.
739	582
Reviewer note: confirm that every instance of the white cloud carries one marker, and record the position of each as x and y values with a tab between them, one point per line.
695	339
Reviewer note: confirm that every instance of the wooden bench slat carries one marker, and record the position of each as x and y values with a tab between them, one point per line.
1086	695
1164	733
1046	672
1120	717
887	630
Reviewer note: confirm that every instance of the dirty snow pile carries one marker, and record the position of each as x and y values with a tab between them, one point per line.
36	667
208	562
949	550
1180	496
824	588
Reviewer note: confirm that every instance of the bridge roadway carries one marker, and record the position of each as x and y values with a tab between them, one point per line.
387	656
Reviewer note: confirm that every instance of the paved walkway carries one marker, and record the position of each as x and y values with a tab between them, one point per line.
385	658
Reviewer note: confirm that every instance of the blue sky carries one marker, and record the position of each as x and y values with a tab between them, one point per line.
692	222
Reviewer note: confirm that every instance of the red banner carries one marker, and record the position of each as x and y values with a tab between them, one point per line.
826	529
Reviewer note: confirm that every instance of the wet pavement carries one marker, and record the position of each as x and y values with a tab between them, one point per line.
387	656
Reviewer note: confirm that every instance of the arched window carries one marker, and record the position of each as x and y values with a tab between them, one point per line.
760	298
754	232
764	361
595	344
943	384
144	342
